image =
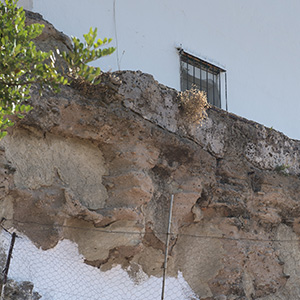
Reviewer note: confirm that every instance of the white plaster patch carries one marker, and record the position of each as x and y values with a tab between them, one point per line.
60	273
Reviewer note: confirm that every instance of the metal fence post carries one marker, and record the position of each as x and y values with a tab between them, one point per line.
167	249
5	271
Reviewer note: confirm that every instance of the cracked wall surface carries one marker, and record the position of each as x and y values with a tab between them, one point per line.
91	161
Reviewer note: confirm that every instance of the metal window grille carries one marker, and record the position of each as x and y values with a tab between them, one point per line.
198	73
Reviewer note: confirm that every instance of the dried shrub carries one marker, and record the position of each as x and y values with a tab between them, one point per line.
194	105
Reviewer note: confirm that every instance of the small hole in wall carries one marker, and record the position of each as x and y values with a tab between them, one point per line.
202	201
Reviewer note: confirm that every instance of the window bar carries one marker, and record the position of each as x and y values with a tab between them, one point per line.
193	75
184	74
214	100
186	81
181	74
187	77
181	78
220	89
199	83
207	83
200	78
226	91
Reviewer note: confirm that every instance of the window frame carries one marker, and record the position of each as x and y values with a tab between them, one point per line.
208	68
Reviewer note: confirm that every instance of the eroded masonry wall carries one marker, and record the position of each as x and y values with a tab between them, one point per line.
98	165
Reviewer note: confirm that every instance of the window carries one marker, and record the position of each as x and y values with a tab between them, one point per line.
202	75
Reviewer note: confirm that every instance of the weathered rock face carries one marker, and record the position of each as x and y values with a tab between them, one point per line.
91	161
22	290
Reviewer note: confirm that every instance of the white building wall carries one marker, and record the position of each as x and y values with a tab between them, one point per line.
27	4
256	41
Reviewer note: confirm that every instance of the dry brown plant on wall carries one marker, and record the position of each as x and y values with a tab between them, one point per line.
194	105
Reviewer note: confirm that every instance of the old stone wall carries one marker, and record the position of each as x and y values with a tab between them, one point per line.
110	157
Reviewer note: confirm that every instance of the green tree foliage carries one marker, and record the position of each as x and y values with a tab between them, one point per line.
83	54
22	65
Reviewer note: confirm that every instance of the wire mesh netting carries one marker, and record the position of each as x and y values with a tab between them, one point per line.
63	273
